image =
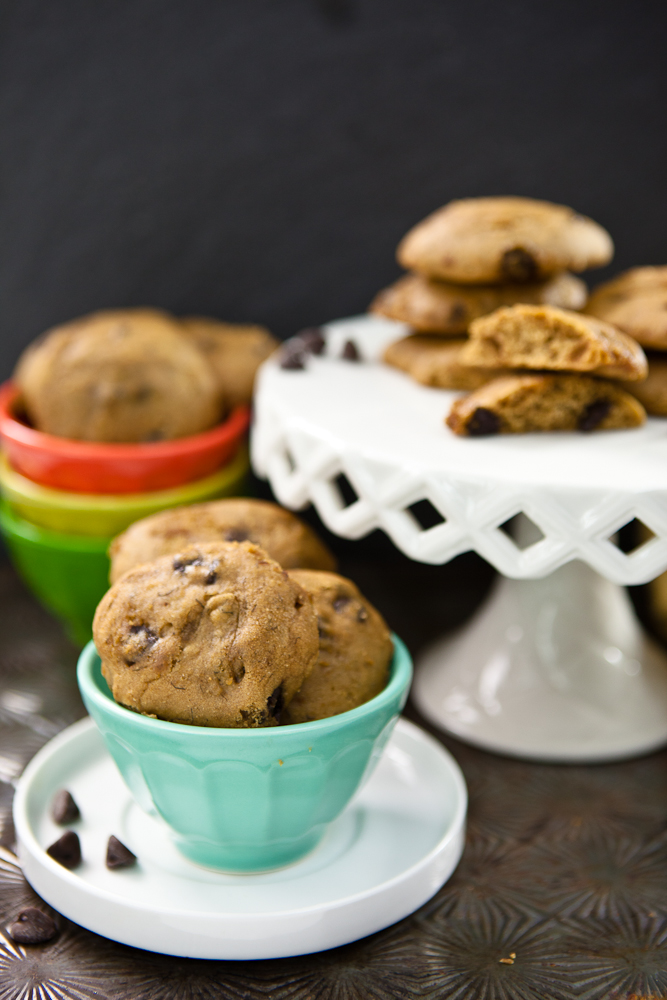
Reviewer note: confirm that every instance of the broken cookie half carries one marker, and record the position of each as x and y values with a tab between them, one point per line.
547	338
521	404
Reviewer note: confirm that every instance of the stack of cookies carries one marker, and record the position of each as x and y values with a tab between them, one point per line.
491	297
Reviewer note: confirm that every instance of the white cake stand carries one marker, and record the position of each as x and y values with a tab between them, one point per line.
555	666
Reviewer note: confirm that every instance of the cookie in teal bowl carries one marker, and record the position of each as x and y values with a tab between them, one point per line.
245	800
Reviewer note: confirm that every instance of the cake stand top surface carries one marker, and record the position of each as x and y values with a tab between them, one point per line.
386	435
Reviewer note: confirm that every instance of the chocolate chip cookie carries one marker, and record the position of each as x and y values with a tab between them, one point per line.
215	635
286	539
543	337
434	361
635	302
500	240
441	307
520	404
120	375
355	650
234	352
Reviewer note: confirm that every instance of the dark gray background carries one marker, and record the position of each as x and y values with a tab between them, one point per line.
260	159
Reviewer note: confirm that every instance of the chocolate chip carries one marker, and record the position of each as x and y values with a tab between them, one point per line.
294	356
32	927
275	703
312	339
340	603
236	535
64	809
66	850
362	615
593	415
211	578
519	265
146	633
350	351
483	422
118	855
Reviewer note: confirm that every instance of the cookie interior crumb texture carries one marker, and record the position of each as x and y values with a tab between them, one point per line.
288	540
504	239
119	375
440	307
215	635
519	404
543	337
355	649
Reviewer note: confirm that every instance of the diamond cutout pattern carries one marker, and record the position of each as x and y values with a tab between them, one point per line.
426	515
346	490
522	531
354	496
632	536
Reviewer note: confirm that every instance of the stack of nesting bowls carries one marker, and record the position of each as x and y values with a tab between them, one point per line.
63	501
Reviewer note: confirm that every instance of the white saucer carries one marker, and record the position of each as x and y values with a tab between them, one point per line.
397	842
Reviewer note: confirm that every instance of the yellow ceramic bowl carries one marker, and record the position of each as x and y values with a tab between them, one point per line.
97	515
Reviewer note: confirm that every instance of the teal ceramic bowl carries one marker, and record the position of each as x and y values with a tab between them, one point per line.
245	800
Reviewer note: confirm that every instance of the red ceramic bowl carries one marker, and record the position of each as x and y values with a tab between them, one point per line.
92	467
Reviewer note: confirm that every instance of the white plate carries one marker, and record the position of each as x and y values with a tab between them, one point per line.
396	843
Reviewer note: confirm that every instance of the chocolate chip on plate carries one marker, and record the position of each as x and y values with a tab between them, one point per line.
66	850
63	808
118	855
293	356
31	926
312	339
351	351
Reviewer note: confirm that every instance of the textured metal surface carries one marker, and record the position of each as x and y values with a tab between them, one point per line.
565	869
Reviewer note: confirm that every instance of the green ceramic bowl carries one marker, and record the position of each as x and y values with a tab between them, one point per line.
68	574
245	800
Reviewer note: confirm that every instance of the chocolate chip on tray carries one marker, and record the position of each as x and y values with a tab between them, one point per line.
118	855
351	351
31	926
64	809
66	850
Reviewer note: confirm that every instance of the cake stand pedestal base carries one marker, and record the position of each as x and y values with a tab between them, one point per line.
557	669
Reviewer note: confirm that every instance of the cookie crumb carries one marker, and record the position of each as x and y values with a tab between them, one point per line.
351	351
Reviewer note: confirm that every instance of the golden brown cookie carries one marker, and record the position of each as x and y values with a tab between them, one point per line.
430	306
434	361
542	337
119	375
635	302
521	404
355	650
216	635
500	240
652	392
235	351
286	539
